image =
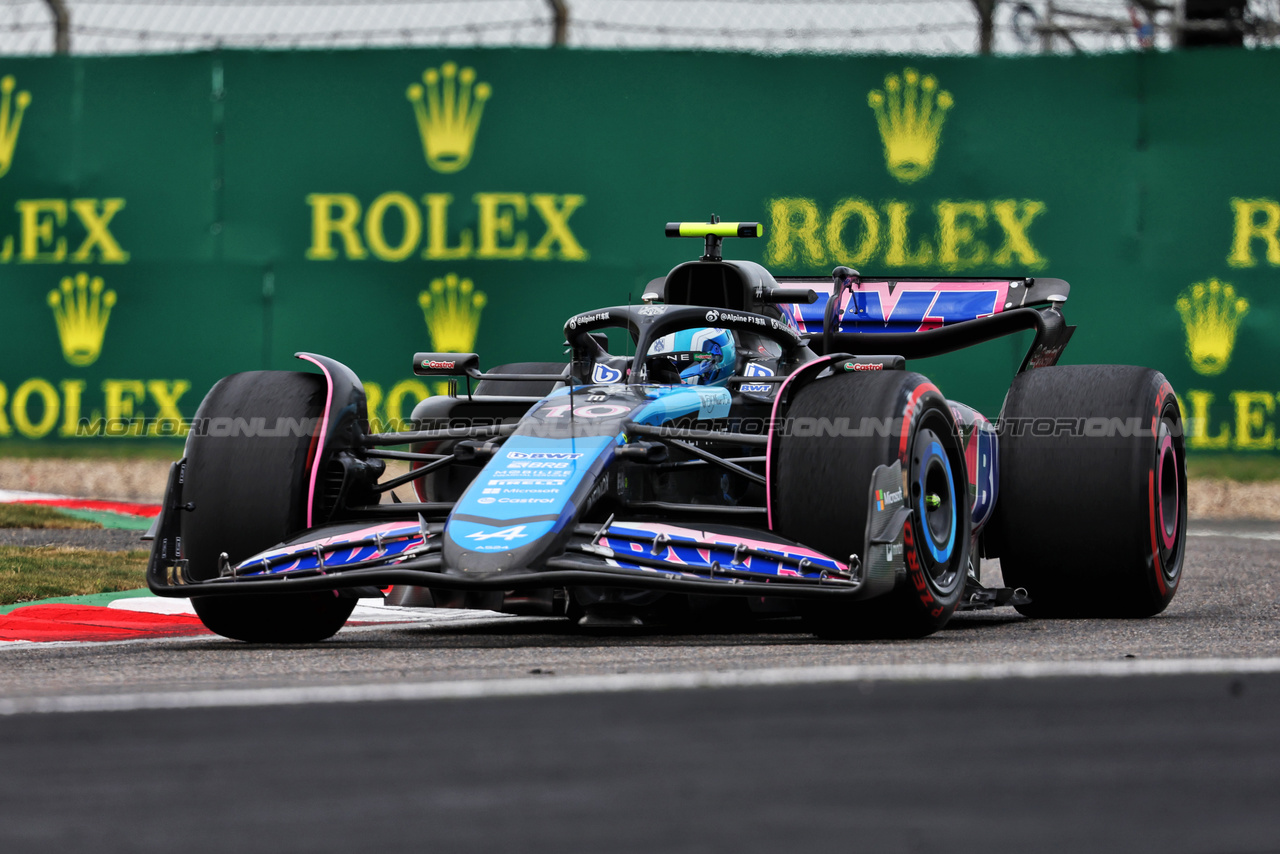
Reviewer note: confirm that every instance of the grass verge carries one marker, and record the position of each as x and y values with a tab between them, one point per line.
92	449
1253	468
28	574
38	516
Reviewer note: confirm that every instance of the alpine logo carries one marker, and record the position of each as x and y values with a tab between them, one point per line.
508	534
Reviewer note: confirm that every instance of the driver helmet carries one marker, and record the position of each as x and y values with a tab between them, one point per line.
703	356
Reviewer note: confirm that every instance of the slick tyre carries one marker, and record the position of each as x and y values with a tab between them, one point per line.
821	495
1092	514
249	492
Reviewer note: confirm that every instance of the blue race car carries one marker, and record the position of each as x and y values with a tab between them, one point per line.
735	444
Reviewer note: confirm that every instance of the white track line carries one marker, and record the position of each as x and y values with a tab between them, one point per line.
11	496
623	683
366	610
459	618
1237	535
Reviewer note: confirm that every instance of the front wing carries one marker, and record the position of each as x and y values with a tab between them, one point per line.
649	555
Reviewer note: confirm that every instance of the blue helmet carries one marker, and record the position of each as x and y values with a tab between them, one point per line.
703	356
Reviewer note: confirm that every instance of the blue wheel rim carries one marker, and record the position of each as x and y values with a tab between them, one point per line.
940	554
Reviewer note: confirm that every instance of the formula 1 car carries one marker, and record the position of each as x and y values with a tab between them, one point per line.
735	441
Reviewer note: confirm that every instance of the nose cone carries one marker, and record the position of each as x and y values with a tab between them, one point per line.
477	548
520	508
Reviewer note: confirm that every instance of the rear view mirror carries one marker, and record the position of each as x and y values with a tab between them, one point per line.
446	364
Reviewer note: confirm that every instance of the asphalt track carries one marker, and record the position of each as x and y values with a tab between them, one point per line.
997	734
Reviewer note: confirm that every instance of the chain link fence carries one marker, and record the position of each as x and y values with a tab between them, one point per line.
937	27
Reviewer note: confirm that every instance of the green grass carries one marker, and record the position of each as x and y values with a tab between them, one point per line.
38	516
95	449
1238	467
28	574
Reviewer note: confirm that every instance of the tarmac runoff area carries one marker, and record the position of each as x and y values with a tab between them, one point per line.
469	731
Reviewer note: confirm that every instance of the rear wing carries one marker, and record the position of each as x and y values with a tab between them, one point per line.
900	304
918	317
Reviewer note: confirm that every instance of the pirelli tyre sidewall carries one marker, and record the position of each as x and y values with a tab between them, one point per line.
1092	513
248	491
820	493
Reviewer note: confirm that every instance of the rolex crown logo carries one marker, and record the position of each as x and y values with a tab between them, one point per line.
11	110
910	112
81	308
452	309
1211	313
448	104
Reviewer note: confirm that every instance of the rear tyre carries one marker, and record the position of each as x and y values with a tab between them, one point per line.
822	497
249	492
1092	513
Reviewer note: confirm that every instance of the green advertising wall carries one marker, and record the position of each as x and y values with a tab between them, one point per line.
166	220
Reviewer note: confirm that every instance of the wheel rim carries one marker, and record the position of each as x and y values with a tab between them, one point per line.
1168	504
1170	489
934	499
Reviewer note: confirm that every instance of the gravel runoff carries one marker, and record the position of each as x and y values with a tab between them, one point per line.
120	479
144	480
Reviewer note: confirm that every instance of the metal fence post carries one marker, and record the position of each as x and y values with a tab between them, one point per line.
61	26
560	22
986	24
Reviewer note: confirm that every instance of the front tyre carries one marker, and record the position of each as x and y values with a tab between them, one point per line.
821	495
250	491
1092	514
